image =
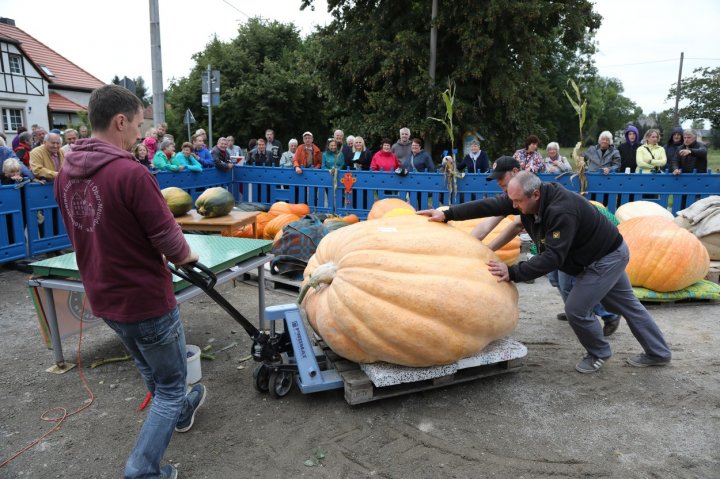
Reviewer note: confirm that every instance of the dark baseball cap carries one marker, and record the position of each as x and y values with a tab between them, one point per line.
501	166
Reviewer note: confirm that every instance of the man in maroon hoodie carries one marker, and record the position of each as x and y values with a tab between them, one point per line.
122	233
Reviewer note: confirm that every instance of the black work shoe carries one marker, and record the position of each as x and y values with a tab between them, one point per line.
589	364
643	361
611	325
562	316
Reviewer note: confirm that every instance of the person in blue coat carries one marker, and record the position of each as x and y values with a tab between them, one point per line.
476	161
418	159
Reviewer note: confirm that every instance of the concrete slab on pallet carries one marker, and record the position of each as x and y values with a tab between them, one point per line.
385	374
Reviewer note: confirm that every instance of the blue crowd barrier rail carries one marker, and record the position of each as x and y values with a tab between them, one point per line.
326	193
45	227
12	226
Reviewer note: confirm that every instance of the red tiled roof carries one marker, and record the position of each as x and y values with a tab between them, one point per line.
60	103
66	73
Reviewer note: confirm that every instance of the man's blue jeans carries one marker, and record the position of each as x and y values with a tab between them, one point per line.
158	347
564	283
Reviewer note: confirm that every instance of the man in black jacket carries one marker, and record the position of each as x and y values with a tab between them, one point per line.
574	237
692	155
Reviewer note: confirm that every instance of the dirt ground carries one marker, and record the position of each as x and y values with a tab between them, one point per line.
544	420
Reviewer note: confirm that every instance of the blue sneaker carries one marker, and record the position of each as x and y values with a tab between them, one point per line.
196	398
168	472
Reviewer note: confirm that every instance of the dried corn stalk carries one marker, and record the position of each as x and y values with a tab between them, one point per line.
580	107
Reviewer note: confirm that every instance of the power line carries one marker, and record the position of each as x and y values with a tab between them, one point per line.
236	8
656	61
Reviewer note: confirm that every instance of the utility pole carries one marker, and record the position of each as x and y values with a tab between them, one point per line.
156	63
210	98
676	119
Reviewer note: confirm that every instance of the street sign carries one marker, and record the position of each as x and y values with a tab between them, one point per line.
214	81
215	99
189	118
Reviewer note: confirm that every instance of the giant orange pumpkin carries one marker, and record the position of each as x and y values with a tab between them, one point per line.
247	231
509	253
663	256
407	291
635	209
382	207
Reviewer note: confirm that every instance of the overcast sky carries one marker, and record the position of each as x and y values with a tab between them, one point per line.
639	41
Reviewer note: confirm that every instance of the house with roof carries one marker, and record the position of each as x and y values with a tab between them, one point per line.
38	85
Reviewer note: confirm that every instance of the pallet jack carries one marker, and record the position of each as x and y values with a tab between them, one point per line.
286	357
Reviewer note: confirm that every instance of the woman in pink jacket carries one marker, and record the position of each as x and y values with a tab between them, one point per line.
385	160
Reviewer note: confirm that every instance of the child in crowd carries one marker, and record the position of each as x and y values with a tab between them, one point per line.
14	172
140	152
151	142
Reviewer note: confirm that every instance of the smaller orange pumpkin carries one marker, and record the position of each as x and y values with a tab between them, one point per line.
276	224
384	206
281	207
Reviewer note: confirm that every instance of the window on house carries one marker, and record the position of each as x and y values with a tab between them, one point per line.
47	70
12	119
15	62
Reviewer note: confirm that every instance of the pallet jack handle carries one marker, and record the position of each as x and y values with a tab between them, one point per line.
201	276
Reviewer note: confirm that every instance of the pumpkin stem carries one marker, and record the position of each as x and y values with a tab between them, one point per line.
323	274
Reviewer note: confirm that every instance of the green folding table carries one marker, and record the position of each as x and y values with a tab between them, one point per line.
58	292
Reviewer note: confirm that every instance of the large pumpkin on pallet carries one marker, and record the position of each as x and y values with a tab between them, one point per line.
178	200
510	253
215	202
636	209
663	256
399	293
382	207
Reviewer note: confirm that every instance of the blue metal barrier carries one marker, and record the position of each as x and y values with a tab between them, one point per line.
324	192
45	228
12	234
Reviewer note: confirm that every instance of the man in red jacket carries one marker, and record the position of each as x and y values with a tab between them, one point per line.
122	233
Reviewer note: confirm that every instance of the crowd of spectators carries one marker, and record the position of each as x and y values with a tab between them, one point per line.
40	153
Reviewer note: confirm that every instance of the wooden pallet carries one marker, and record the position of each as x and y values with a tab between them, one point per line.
359	388
714	272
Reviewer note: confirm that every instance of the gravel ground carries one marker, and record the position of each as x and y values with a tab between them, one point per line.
545	420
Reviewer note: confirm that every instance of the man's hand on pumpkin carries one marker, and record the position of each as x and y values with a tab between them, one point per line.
499	270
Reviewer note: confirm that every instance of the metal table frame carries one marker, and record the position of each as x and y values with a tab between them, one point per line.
256	262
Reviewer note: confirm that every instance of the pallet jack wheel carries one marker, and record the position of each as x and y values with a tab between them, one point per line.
281	383
261	378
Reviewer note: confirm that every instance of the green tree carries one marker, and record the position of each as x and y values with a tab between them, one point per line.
697	124
140	88
509	60
267	80
702	91
608	108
